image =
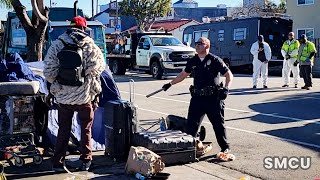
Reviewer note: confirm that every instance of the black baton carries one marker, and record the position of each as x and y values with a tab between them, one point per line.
157	91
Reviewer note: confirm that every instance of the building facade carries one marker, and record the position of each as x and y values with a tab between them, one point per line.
176	27
198	13
306	20
185	4
305	16
182	9
248	3
108	17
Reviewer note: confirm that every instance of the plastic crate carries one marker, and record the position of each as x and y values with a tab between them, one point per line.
16	114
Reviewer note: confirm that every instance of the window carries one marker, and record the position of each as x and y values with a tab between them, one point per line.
165	41
221	35
199	34
144	44
187	38
305	2
307	31
239	34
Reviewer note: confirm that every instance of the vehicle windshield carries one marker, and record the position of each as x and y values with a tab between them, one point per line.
96	33
165	41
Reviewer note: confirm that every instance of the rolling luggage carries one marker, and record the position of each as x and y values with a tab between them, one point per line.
120	124
180	123
174	147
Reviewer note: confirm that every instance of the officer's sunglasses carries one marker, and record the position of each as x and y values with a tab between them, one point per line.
199	43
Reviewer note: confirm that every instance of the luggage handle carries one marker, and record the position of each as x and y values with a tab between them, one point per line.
131	90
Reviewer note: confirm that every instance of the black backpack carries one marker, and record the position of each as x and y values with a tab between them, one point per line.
71	72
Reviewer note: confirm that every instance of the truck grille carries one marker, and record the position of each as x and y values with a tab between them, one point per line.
181	56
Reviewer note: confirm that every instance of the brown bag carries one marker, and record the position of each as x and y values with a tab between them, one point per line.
142	160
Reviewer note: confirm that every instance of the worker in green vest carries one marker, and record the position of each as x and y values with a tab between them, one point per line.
289	52
306	53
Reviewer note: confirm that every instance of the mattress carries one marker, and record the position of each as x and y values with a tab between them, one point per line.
19	88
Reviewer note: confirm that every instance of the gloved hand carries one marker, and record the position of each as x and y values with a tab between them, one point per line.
165	87
288	56
95	103
296	63
49	100
308	60
223	93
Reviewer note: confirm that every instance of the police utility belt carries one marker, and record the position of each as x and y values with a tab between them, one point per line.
206	91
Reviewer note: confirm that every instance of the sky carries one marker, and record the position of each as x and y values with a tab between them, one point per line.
85	5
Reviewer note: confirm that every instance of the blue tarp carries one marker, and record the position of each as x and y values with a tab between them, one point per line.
98	137
14	69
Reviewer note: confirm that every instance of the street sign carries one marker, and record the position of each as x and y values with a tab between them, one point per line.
118	26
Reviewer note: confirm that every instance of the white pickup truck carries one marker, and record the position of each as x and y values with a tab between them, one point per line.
157	54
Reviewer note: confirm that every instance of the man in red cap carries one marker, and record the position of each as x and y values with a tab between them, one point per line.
74	80
80	23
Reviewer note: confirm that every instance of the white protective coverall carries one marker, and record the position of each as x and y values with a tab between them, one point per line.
258	66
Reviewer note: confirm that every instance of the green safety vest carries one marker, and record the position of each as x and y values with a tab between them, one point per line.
289	48
307	50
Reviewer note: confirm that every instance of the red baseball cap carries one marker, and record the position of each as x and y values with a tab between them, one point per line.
81	22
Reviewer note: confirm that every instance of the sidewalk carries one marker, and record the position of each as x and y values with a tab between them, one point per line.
105	168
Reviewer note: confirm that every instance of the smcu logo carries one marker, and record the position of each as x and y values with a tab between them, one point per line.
284	163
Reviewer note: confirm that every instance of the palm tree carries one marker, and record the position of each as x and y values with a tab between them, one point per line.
35	27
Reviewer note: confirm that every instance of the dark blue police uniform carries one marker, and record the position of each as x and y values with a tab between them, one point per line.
205	98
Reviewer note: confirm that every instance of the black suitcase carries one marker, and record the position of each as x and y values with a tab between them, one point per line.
120	124
180	123
174	147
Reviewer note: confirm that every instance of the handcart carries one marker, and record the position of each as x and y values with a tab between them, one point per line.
19	147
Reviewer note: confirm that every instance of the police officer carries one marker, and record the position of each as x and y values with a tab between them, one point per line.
207	95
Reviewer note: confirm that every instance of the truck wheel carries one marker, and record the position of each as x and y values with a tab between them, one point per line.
156	70
117	68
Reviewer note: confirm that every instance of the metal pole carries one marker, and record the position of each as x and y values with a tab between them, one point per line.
50	4
97	6
116	14
92	8
75	8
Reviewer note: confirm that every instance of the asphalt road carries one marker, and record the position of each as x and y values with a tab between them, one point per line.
274	122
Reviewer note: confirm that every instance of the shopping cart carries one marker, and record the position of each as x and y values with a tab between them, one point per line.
16	129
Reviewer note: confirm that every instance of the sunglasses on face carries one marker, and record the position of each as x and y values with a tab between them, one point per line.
199	43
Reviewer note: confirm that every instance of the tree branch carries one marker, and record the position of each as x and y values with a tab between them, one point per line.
41	6
37	12
22	14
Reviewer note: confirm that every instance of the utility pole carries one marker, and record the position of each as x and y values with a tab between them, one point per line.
117	14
